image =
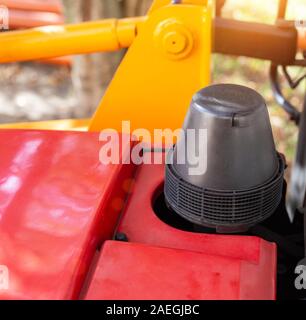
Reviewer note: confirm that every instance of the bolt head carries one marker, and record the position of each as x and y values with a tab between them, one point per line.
175	42
173	39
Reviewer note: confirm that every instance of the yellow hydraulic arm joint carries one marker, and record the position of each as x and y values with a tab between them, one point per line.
166	64
54	41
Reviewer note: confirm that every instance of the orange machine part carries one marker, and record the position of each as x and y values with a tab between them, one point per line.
30	19
302	39
34	5
35	13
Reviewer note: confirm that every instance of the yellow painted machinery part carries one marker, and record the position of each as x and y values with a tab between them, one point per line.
69	124
302	39
167	63
54	41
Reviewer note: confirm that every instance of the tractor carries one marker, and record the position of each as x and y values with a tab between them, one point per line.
95	209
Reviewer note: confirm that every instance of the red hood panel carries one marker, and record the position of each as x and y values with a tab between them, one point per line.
53	199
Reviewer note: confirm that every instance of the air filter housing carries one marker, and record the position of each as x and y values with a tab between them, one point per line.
243	182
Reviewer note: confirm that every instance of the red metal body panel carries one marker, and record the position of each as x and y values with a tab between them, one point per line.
57	204
141	224
136	271
251	260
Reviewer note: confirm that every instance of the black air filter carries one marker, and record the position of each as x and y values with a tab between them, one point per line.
243	182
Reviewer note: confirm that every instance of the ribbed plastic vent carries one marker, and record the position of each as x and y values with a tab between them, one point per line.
223	209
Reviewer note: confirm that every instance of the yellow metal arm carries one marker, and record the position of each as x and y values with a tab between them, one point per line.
58	125
167	62
55	41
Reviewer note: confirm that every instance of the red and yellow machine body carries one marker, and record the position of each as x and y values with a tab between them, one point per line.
60	207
